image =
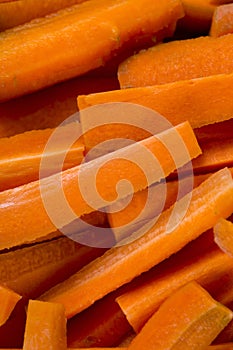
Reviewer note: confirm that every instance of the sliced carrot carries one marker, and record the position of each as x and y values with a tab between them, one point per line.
32	270
92	31
45	326
201	101
227	346
188	59
17	12
201	260
20	156
212	198
222	22
188	319
8	300
20	206
223	231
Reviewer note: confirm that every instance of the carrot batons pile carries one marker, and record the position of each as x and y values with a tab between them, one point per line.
157	273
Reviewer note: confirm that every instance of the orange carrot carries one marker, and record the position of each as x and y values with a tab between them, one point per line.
201	101
227	346
18	12
188	319
222	22
45	326
20	156
20	206
30	271
188	59
201	260
8	299
223	231
212	198
87	42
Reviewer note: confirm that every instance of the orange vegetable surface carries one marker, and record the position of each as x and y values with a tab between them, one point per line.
8	300
188	59
188	319
223	231
222	22
213	198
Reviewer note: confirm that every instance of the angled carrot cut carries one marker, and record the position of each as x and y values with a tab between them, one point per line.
222	22
25	202
94	40
213	198
188	319
192	58
45	326
223	236
8	300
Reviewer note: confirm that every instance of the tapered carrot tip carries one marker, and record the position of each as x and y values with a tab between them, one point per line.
222	22
188	319
8	300
223	236
45	327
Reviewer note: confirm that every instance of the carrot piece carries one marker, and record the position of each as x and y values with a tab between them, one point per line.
201	260
18	12
45	326
94	39
223	236
215	132
213	198
8	300
188	319
30	271
227	346
188	59
201	101
222	22
20	156
25	202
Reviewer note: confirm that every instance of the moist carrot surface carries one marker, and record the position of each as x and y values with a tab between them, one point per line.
92	31
20	206
188	319
188	59
222	22
8	300
224	236
212	198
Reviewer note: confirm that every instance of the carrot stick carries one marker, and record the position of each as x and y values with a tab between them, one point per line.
213	98
17	12
8	301
188	319
223	231
201	260
45	326
25	202
30	271
213	198
94	39
188	59
20	156
222	22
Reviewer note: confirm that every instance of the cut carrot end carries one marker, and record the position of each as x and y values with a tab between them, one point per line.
8	300
223	236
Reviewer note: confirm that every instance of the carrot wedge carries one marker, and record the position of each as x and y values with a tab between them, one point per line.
222	22
92	32
45	327
188	319
223	235
8	300
25	202
188	59
213	198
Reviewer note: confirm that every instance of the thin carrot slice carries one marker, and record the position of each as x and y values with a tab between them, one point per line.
201	260
188	319
222	22
96	29
8	300
201	101
213	198
188	59
20	156
45	326
223	236
25	202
